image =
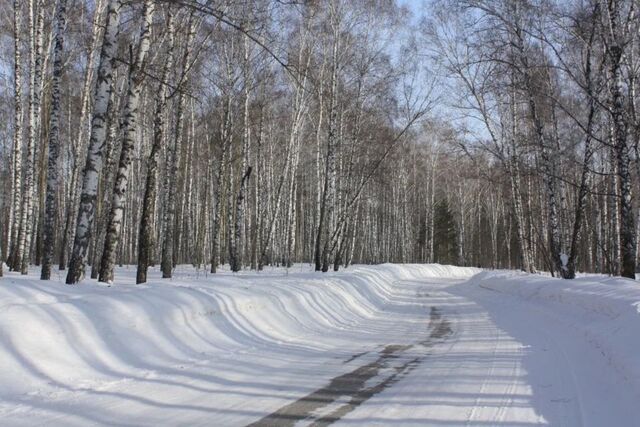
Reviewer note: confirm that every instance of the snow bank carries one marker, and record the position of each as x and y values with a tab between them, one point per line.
606	310
56	337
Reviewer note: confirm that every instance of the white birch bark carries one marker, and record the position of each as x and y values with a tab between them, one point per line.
159	137
36	20
94	160
585	174
170	183
130	124
236	248
298	119
219	173
111	153
616	51
328	195
83	135
14	221
54	143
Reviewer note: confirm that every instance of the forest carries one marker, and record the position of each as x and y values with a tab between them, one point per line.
491	133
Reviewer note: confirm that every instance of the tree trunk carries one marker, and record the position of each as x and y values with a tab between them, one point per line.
328	197
173	160
14	223
234	258
82	136
93	166
236	247
54	137
586	162
513	167
150	192
36	19
615	53
130	124
219	174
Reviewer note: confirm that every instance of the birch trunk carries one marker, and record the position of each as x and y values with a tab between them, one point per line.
82	136
14	221
54	137
93	166
555	245
586	162
327	204
257	197
236	248
150	192
297	123
112	149
173	160
36	19
234	258
130	124
217	194
548	176
615	53
513	168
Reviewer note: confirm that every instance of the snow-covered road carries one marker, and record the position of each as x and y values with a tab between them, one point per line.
502	362
429	351
508	362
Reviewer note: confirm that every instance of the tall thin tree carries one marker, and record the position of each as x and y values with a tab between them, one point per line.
130	124
93	166
54	143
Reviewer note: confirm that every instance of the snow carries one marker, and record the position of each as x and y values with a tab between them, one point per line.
374	345
603	310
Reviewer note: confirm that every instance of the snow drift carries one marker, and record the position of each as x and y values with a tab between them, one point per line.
226	349
605	310
57	337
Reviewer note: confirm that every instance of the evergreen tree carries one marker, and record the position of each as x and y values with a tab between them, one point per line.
445	234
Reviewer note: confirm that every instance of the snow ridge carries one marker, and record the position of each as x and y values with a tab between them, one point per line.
56	337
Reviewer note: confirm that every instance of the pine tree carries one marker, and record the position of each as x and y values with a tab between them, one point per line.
445	234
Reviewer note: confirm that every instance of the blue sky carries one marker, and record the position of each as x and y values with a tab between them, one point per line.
414	5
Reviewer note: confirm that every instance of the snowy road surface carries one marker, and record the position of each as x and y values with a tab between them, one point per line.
430	351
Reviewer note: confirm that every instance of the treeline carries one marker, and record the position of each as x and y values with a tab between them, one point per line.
553	86
494	133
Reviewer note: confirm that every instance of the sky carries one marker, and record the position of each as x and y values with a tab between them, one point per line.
415	6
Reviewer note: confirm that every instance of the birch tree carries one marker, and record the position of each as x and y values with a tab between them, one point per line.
328	193
235	244
158	140
94	160
84	131
616	36
274	133
130	124
173	159
36	22
54	143
17	139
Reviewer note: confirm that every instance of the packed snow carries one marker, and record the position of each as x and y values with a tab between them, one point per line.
373	345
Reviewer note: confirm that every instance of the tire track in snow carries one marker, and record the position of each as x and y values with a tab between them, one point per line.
348	391
477	406
564	369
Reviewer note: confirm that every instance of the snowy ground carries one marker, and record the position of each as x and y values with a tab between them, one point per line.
385	345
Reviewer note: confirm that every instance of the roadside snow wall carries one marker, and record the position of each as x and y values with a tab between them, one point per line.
54	336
